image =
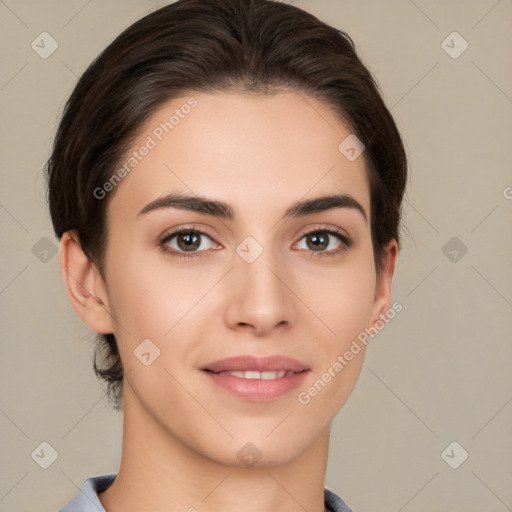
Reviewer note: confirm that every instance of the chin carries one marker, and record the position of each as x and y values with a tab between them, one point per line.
257	451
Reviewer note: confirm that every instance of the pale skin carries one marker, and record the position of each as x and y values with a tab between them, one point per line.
260	154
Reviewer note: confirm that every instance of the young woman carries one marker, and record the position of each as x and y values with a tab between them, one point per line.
226	182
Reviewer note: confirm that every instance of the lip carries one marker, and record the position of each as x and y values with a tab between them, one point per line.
257	390
258	364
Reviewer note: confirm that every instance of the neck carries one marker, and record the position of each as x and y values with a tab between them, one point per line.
158	471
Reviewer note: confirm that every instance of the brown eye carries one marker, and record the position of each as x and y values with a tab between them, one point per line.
317	241
185	240
188	241
321	239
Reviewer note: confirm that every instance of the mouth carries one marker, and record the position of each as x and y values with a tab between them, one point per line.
257	379
249	363
250	374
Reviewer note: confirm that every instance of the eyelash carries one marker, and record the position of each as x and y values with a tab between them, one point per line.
345	241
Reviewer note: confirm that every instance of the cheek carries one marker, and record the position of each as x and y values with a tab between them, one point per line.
158	299
344	306
342	296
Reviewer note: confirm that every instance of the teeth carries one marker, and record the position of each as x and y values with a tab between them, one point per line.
260	375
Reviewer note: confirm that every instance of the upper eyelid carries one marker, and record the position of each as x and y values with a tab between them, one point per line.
171	233
320	227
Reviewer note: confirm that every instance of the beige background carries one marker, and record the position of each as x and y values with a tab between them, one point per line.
438	373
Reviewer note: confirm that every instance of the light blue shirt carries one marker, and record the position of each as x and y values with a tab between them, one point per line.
87	499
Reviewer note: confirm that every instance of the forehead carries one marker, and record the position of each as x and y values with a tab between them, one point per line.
256	152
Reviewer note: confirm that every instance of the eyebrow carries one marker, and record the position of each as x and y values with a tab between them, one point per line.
225	211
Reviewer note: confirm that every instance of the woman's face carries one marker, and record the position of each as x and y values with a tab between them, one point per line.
255	282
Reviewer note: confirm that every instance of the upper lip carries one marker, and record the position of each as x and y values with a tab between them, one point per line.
252	363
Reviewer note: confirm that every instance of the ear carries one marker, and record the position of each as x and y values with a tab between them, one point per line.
85	287
382	300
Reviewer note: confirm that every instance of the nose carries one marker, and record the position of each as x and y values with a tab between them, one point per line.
259	296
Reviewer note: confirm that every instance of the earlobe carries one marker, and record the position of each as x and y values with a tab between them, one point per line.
382	301
84	285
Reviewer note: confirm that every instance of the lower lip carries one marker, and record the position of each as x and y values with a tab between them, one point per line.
257	390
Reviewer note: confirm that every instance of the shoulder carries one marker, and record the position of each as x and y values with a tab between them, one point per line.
87	498
334	503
